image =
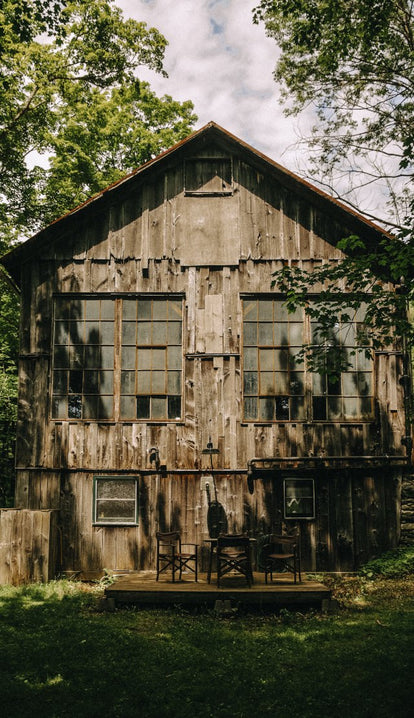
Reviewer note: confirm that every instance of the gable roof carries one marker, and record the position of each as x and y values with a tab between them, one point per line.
209	133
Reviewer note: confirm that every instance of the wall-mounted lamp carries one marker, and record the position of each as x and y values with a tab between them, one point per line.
154	457
210	450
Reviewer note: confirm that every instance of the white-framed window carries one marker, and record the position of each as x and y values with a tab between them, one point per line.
299	498
115	500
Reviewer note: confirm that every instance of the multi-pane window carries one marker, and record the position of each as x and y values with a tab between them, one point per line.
83	359
349	394
273	377
115	500
134	344
299	498
151	359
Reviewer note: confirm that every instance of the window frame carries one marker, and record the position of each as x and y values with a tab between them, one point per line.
308	395
112	478
116	368
304	516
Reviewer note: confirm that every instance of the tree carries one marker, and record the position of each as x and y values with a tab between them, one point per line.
352	61
69	90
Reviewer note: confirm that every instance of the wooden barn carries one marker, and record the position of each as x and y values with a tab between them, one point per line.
158	383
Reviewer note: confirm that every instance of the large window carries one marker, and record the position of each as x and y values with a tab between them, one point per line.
115	500
348	395
83	359
276	383
131	343
273	378
151	359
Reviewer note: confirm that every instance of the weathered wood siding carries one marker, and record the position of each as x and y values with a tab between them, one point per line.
152	238
29	546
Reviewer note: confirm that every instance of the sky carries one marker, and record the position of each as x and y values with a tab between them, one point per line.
220	60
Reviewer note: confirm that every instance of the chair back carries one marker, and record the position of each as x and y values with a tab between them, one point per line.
240	541
168	540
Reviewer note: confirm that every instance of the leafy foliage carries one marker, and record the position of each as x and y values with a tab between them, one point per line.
392	564
68	89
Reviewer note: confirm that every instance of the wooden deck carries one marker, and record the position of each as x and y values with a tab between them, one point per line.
142	588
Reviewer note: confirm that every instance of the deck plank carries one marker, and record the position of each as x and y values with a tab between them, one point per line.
142	588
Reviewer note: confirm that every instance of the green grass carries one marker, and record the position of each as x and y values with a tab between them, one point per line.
60	656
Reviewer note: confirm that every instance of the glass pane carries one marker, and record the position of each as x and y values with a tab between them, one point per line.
267	409
115	489
158	358
334	384
363	361
319	408
144	309
128	407
159	333
128	357
128	333
76	356
250	408
144	382
174	333
351	407
107	332
75	382
144	333
250	360
105	407
281	358
159	309
318	383
175	309
250	309
266	358
267	382
107	309
143	407
61	357
266	334
61	333
282	382
364	384
282	408
76	332
129	309
144	358
92	357
297	409
249	334
281	312
349	384
107	357
90	407
174	407
128	382
296	383
158	382
174	382
296	334
92	309
77	308
281	335
174	357
158	407
90	382
60	382
115	511
62	308
334	408
74	407
266	310
366	407
250	382
59	407
106	385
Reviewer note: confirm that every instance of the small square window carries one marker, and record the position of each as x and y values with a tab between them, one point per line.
115	500
299	498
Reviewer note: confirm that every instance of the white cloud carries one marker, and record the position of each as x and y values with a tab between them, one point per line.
224	63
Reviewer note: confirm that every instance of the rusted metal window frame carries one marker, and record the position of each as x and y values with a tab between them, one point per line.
112	478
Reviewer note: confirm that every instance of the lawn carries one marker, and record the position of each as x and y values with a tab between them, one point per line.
60	655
